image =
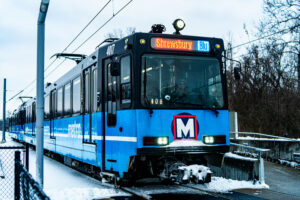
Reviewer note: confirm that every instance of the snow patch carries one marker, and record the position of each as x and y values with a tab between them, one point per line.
246	153
185	143
222	185
198	171
289	163
267	139
83	193
235	156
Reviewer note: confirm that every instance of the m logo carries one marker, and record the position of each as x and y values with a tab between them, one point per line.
185	127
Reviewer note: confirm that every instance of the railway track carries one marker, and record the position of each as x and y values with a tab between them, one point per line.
138	193
214	194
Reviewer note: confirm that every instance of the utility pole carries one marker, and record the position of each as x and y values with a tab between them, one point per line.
40	93
4	107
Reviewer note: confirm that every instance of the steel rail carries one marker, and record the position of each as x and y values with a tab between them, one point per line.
214	194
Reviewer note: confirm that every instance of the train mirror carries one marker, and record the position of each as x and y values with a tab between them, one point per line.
115	69
236	73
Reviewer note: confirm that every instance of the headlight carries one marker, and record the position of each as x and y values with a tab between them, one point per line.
218	139
209	139
155	141
162	140
178	25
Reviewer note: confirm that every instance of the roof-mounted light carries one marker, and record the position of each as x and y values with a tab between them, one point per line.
178	25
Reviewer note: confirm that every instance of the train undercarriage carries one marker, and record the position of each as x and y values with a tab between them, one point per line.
173	165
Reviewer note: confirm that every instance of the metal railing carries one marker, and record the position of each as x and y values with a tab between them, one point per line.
26	188
261	170
260	135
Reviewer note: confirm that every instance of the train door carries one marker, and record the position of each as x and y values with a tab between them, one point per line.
110	114
52	112
89	82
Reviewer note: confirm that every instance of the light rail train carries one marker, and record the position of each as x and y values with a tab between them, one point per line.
137	107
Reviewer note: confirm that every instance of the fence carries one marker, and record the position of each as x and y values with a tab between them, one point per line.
26	188
15	181
7	170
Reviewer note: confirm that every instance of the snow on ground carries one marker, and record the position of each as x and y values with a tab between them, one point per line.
231	155
64	183
222	185
217	184
289	163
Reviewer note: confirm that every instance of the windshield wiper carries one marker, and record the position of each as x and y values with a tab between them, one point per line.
200	105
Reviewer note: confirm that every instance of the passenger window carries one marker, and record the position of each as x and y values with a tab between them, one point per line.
95	82
30	114
53	104
67	99
59	105
33	112
47	107
86	92
76	95
125	80
111	98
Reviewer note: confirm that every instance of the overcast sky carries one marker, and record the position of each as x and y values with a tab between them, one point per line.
65	18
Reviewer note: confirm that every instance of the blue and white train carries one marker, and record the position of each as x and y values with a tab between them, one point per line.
137	107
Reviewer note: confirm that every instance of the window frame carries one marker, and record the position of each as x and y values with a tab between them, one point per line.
69	112
126	105
94	106
47	105
57	114
78	112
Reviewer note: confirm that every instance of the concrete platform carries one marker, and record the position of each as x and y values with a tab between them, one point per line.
284	183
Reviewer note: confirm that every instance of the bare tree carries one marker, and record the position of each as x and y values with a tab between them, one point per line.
267	97
283	17
119	33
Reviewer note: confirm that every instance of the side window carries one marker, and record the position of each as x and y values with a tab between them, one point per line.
26	115
94	91
76	95
125	80
30	113
86	92
47	107
59	108
53	104
111	98
33	112
67	99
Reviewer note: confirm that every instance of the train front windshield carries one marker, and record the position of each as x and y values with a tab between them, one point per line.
181	82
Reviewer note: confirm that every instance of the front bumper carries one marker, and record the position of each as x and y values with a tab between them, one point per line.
192	150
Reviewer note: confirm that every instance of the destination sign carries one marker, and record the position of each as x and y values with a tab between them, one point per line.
179	44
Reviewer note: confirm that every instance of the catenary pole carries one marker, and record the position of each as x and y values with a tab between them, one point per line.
4	107
40	93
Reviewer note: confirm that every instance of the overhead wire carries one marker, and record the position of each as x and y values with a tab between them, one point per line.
85	27
257	39
114	15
